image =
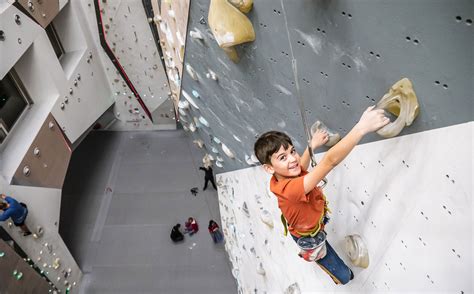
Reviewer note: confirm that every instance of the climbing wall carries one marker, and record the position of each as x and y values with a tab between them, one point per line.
414	214
409	197
171	23
347	55
128	35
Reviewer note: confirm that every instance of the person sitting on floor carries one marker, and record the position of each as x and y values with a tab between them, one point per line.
215	232
176	235
191	226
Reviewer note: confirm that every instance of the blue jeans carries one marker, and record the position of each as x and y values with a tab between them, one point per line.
217	236
333	265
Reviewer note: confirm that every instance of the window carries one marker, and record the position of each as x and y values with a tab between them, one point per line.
54	39
13	101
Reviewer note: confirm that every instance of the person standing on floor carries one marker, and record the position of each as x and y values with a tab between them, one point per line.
215	232
209	176
16	210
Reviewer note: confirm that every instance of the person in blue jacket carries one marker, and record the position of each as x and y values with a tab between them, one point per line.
16	210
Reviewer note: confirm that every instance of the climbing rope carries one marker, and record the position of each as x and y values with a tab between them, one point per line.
303	118
300	98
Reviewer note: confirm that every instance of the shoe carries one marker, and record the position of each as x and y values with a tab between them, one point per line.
26	234
352	275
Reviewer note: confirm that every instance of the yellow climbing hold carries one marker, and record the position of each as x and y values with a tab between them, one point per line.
401	101
229	26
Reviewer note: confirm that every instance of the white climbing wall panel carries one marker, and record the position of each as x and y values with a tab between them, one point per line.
129	36
409	197
172	24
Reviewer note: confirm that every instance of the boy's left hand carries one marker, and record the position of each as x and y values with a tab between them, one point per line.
319	138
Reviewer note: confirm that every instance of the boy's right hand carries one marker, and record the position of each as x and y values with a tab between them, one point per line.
372	120
320	137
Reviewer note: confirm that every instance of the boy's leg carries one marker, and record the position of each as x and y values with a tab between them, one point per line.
335	267
213	183
206	180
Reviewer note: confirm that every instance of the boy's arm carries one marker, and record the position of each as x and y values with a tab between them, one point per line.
318	139
370	121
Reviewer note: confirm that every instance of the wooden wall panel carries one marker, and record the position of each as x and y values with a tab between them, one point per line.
49	167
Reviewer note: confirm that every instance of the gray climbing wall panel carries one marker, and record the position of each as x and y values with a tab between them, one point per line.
348	54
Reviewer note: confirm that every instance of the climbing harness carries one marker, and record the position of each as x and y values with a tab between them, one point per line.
313	245
303	117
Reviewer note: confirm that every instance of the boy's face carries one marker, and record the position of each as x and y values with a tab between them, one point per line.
285	163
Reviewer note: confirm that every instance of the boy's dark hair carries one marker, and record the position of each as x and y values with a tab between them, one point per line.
269	143
3	205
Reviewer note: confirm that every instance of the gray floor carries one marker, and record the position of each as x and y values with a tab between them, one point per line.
123	193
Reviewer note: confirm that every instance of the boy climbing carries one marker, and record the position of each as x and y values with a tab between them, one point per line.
300	200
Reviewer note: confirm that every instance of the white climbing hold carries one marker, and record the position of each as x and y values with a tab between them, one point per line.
180	38
237	138
196	34
183	104
245	209
254	159
260	269
191	72
248	160
217	140
211	75
293	289
203	121
198	143
197	122
190	100
219	164
266	218
192	127
157	18
182	112
218	158
196	94
214	149
227	151
235	273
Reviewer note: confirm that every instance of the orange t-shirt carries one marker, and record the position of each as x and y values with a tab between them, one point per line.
302	211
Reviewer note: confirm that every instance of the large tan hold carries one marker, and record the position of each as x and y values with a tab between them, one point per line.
357	251
243	5
401	101
229	26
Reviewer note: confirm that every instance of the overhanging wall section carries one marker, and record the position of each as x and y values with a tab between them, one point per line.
348	55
